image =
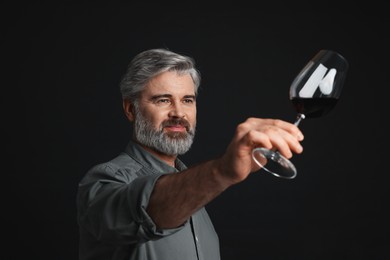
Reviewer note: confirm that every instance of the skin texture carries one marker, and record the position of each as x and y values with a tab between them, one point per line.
168	95
177	196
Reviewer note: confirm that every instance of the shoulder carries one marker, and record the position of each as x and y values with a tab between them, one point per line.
122	168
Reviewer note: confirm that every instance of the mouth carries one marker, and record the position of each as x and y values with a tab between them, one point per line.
176	125
176	128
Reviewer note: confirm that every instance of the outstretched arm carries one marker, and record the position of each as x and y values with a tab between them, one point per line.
177	196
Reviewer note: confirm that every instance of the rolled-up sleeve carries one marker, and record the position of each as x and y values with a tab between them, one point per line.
112	205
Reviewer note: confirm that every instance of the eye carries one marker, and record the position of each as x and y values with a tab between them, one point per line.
163	101
188	101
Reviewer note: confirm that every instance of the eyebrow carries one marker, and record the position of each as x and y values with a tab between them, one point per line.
170	96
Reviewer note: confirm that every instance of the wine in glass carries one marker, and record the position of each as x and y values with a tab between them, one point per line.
313	93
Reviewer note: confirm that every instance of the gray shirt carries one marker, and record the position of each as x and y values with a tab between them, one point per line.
113	223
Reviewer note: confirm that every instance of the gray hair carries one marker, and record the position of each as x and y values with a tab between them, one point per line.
149	64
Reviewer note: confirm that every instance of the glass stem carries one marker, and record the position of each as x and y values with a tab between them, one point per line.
299	119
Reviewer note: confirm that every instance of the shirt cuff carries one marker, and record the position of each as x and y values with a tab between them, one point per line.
139	196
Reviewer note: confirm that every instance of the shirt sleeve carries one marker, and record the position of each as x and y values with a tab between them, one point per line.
112	206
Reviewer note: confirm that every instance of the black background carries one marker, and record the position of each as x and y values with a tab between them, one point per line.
61	113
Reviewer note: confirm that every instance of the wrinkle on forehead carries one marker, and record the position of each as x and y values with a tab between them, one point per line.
170	82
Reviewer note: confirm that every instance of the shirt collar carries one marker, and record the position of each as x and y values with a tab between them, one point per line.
138	153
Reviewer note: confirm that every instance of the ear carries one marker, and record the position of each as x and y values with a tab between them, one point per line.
128	108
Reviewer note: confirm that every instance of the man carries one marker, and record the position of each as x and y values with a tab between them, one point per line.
145	203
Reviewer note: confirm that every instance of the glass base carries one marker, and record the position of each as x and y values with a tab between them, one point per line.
274	163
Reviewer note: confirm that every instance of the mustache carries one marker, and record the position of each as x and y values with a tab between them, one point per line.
176	121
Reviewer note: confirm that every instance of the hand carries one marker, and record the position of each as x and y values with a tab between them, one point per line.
237	163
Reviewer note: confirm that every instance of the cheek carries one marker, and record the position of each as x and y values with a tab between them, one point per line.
157	118
192	117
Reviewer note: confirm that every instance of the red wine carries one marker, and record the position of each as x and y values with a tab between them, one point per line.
314	107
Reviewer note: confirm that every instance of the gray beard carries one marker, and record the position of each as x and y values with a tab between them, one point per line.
166	143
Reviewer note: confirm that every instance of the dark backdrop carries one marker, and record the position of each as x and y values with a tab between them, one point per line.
61	113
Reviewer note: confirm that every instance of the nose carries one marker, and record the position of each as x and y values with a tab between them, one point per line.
177	111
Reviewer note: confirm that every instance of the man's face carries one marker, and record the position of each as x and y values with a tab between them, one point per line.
165	116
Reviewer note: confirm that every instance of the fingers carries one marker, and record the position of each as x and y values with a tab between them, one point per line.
237	162
260	124
284	142
272	134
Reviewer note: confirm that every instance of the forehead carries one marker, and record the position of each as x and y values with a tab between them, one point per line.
170	82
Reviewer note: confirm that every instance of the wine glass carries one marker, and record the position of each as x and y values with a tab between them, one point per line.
314	92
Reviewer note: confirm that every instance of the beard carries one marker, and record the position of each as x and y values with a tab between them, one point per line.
171	143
